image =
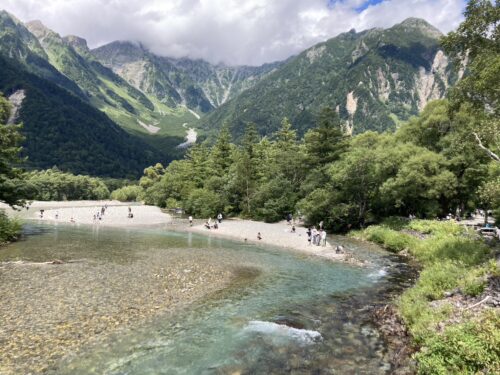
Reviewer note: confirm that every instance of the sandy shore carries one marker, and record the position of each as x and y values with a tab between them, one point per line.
276	234
83	212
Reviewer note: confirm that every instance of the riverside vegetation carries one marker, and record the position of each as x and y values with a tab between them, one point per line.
445	160
451	337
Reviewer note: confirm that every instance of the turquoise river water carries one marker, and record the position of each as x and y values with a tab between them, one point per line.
285	312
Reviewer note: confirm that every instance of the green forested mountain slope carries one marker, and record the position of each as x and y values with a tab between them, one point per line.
16	42
62	130
131	108
375	79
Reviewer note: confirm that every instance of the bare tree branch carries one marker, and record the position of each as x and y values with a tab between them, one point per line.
490	153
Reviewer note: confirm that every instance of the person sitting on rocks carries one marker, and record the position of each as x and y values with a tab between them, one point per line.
259	236
339	249
207	225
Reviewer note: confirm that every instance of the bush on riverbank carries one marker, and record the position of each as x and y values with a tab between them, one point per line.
129	193
52	184
451	259
9	228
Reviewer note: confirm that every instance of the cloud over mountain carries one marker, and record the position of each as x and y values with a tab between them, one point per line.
230	31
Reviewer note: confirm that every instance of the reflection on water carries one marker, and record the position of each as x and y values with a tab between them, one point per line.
241	328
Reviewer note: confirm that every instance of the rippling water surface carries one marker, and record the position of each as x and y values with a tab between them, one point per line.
285	312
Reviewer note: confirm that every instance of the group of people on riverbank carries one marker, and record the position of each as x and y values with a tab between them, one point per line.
316	237
100	213
208	223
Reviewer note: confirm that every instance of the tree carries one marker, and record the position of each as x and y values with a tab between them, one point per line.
450	136
476	44
420	185
203	203
151	175
245	171
326	142
10	173
220	153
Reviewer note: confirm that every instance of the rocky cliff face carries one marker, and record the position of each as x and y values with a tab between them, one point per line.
197	84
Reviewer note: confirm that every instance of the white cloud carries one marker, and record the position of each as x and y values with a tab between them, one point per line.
232	31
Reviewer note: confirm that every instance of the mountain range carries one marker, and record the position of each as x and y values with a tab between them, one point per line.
125	107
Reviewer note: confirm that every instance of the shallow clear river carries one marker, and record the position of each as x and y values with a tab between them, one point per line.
285	312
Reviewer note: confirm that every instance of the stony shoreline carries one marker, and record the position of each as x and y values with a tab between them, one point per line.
53	309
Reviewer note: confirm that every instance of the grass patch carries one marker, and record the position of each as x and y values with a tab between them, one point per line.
389	238
468	348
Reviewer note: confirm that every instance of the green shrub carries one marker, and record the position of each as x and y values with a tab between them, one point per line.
172	203
203	203
435	227
449	247
53	184
395	222
468	348
131	193
9	228
390	239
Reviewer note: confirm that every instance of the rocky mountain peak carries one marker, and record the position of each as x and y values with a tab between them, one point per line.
38	29
421	25
79	44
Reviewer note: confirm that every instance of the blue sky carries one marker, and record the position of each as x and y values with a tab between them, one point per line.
231	31
367	4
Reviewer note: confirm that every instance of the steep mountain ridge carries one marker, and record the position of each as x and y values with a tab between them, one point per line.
375	79
221	82
131	108
152	74
18	43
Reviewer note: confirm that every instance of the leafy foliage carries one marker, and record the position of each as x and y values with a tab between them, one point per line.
471	347
129	193
450	260
9	228
10	174
476	42
52	184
